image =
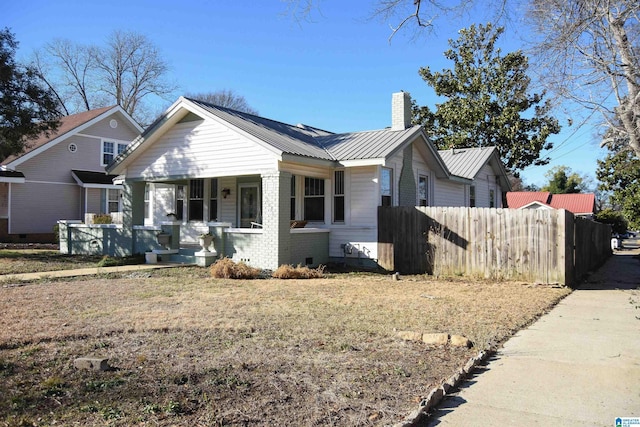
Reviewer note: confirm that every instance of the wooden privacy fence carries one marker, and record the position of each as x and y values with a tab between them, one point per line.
533	245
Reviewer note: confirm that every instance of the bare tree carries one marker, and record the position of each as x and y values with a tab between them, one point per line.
131	69
591	55
124	72
225	98
67	69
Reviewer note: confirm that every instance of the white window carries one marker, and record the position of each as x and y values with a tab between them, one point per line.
313	199
147	202
110	149
196	200
338	196
423	190
386	180
113	200
213	200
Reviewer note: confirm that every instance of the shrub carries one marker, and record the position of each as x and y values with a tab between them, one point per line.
299	272
102	219
225	268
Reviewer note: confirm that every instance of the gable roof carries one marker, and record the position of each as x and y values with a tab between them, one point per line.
578	203
69	125
285	139
518	199
467	162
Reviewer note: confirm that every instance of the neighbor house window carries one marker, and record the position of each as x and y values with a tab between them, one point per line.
492	198
180	202
213	200
113	200
423	191
472	196
313	199
196	200
386	178
110	149
338	196
292	214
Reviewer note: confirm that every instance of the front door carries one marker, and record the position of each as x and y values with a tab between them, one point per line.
249	205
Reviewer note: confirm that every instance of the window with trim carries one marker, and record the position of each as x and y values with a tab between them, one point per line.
196	200
147	203
423	190
472	196
113	200
338	196
213	200
180	202
110	149
292	214
492	198
313	199
386	179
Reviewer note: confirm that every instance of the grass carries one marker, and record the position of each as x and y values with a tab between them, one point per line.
35	260
189	349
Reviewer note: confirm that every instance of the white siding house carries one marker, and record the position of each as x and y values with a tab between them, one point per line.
249	178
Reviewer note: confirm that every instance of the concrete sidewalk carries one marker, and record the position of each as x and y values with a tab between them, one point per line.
579	365
84	271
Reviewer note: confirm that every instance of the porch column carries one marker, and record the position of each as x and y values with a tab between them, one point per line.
132	214
276	203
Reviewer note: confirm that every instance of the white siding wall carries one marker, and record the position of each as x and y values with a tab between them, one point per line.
485	181
201	149
449	193
227	207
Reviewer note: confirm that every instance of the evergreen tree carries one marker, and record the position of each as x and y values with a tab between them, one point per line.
487	101
27	109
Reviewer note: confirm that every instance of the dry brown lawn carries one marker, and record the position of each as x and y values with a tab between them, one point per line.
191	350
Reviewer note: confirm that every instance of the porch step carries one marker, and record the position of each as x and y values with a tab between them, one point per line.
186	254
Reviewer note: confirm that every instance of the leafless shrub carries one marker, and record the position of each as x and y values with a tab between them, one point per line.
290	272
226	268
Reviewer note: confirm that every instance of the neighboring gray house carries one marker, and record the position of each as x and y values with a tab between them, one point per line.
61	176
485	169
247	177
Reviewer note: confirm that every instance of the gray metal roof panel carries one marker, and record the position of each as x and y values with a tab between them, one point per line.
365	145
466	162
291	139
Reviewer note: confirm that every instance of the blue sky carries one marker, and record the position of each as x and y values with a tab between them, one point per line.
337	72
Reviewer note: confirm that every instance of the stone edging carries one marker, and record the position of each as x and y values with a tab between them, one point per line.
436	394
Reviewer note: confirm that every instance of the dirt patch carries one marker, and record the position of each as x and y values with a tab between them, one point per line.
192	350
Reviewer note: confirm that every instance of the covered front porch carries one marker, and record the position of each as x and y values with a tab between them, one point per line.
248	217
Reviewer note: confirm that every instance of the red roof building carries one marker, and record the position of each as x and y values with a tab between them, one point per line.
582	204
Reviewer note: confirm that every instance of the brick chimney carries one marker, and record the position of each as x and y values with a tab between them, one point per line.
400	111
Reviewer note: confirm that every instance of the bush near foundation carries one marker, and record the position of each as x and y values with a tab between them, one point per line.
225	268
299	272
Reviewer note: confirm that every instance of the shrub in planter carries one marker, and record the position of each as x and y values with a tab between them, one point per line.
225	268
299	272
102	219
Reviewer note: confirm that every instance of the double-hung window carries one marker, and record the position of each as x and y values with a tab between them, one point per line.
213	200
338	196
110	149
492	198
292	214
196	200
113	200
180	202
423	190
386	179
472	196
313	199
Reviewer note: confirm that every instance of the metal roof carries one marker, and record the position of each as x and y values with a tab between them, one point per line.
579	203
466	162
290	139
517	199
365	145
